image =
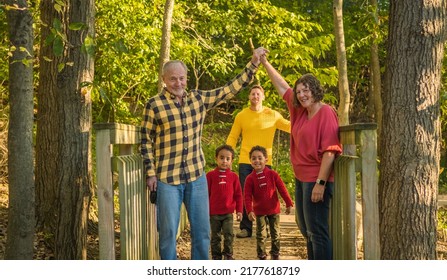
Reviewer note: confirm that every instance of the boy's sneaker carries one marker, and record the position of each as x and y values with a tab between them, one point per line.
217	258
229	257
262	257
243	234
275	256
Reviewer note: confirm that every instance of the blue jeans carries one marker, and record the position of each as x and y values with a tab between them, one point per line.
313	219
244	170
169	200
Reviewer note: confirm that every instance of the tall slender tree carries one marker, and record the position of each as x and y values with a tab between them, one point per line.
165	39
63	152
21	219
411	138
376	79
342	66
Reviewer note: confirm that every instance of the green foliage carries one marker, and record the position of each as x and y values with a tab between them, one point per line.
282	165
126	68
211	37
214	135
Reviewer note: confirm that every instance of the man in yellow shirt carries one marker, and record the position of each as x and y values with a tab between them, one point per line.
256	125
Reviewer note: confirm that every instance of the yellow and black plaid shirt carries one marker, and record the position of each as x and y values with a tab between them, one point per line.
171	132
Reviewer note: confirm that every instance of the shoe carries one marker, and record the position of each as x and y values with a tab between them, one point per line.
217	258
228	257
275	256
263	257
243	234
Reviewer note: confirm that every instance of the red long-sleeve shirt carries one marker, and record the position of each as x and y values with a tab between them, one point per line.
309	139
224	191
260	192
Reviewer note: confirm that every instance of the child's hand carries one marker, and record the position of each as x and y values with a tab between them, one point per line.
288	210
239	216
252	216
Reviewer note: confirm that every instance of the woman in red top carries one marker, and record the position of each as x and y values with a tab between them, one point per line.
314	144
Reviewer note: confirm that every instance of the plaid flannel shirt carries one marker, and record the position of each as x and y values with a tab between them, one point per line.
171	133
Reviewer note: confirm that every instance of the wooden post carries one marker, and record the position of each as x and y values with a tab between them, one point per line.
107	135
361	140
106	229
343	209
370	194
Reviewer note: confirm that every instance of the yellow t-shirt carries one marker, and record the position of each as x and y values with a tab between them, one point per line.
256	128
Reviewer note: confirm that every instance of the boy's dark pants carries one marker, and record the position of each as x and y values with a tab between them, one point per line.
271	221
221	225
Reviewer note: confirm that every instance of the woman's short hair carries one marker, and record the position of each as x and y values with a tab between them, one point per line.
313	84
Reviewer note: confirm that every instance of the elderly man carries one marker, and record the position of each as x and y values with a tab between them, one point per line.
171	148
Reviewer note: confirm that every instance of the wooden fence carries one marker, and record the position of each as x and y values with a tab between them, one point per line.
117	154
359	158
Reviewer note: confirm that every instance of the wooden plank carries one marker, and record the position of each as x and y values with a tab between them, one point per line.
338	208
343	207
349	208
370	196
106	229
121	133
124	218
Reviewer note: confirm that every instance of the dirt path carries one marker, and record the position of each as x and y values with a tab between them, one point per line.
292	243
293	246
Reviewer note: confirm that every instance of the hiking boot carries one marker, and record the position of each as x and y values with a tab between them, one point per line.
262	257
228	257
275	256
243	234
217	258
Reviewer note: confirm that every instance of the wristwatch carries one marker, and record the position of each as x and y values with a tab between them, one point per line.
321	182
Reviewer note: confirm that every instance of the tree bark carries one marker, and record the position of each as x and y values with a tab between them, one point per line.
63	153
165	40
21	219
343	85
411	130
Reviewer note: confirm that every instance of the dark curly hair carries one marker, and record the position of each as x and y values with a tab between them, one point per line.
225	147
313	84
259	149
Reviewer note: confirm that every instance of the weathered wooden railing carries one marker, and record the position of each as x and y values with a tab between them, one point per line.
359	157
117	153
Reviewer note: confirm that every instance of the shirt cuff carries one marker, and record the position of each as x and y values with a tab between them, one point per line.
252	67
150	173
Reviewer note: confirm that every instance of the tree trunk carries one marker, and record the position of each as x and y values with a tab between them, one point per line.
411	130
21	216
376	80
165	40
63	153
343	85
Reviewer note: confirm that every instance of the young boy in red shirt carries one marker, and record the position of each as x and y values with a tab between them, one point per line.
225	196
262	203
